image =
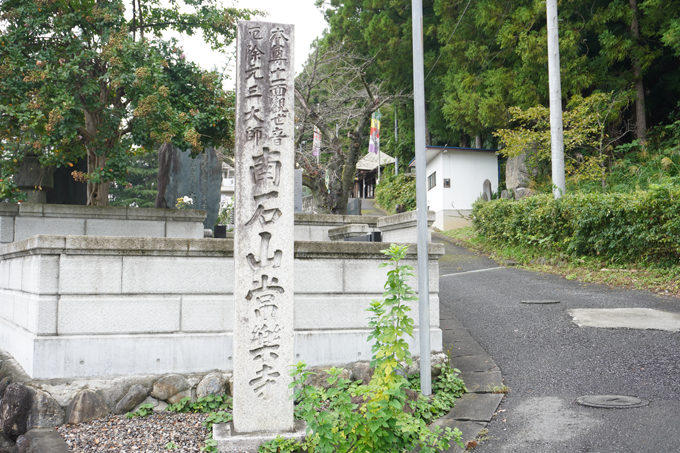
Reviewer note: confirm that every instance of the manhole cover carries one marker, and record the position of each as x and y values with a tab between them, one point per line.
611	401
540	302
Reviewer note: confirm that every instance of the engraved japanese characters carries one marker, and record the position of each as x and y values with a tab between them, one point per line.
263	243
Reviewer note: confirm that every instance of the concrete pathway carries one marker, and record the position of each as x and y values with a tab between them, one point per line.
368	207
547	360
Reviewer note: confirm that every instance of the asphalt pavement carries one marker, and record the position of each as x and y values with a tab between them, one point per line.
547	361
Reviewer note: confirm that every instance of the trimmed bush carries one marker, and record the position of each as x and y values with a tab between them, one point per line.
394	190
639	227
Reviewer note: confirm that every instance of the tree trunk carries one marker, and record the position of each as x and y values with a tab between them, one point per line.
640	118
164	163
97	194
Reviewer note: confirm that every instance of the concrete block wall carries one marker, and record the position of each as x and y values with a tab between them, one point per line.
91	306
23	220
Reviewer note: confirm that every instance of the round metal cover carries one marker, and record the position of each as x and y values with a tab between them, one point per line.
540	302
611	401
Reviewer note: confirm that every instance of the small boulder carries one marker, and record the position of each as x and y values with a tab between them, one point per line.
14	410
168	386
86	406
505	194
521	193
132	398
42	440
361	371
7	445
45	412
4	382
211	384
158	406
320	379
177	397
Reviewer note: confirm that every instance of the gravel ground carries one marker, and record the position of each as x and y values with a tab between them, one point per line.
151	434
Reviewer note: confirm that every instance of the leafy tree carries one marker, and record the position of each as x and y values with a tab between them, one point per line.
334	89
76	83
588	136
140	189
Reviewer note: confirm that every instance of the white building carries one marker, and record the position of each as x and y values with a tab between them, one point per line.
455	177
227	188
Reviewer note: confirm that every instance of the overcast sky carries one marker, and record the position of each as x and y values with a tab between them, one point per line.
308	20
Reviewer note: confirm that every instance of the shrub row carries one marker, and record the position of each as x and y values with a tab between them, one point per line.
619	228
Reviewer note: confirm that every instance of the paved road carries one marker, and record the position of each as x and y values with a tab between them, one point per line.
547	361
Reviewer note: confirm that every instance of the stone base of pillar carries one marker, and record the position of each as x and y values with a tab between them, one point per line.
230	442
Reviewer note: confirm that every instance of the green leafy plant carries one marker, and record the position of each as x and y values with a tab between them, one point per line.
390	320
171	446
617	228
225	214
350	417
394	190
144	411
281	445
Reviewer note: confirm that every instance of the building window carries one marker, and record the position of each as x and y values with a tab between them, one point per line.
432	180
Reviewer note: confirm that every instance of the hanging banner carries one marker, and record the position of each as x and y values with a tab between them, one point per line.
374	140
316	146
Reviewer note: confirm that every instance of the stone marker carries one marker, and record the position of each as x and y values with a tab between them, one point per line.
487	193
199	178
263	241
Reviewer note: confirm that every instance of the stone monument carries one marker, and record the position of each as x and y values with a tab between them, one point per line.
197	177
263	242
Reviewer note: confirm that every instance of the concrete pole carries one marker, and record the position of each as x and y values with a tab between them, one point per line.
556	127
421	197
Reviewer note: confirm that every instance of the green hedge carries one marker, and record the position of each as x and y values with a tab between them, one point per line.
639	227
394	190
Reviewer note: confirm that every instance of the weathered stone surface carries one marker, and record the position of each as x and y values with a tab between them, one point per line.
133	397
361	371
211	384
168	386
505	194
87	405
4	382
6	445
14	410
522	192
158	405
516	172
45	412
179	396
198	178
264	231
42	440
487	193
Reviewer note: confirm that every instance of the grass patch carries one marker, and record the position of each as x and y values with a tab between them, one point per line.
662	281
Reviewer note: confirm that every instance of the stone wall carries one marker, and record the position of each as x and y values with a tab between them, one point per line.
75	306
403	227
314	227
23	220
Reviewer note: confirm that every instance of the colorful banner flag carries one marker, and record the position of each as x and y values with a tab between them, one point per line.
316	146
374	140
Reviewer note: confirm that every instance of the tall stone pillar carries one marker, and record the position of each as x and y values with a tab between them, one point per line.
263	241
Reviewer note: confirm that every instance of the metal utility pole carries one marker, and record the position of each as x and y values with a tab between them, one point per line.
554	84
421	197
